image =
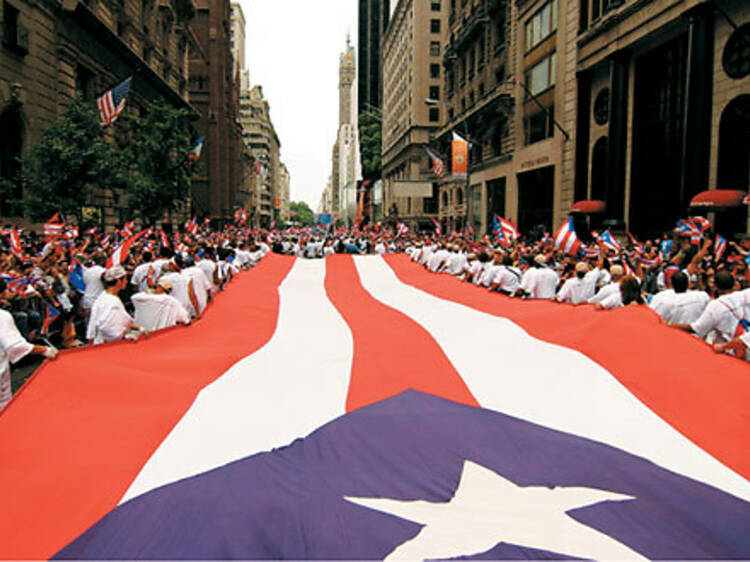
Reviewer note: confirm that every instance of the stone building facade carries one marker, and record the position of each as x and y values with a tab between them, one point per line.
412	52
49	50
284	186
260	139
214	92
663	108
639	103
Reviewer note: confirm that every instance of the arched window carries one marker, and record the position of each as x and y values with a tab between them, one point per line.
445	198
11	146
599	159
459	196
734	159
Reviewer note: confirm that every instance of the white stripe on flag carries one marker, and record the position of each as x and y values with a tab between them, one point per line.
550	385
287	389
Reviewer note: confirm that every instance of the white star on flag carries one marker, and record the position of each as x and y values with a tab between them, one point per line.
488	509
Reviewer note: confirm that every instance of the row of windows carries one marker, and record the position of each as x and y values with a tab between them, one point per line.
541	76
541	25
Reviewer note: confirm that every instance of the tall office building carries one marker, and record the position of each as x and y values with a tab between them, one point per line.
373	21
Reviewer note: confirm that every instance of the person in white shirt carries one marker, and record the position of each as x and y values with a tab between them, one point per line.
109	321
629	293
724	318
380	248
617	272
457	262
686	306
92	277
438	260
201	286
210	269
663	299
576	289
508	278
183	288
491	270
13	348
158	310
140	277
542	283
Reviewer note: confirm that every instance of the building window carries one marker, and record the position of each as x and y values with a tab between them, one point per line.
435	26
434	92
601	107
434	115
471	64
541	76
539	126
451	114
434	48
434	71
15	36
736	56
435	5
541	25
481	90
480	50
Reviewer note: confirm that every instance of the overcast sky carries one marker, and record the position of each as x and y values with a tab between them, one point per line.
292	50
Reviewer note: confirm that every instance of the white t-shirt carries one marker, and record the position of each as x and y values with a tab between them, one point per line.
457	263
201	285
605	292
489	274
13	347
180	283
686	308
612	301
92	277
661	301
721	317
542	284
208	268
155	312
380	248
109	321
437	259
575	291
508	279
140	276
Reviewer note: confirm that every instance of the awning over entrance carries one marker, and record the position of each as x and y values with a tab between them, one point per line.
718	199
589	207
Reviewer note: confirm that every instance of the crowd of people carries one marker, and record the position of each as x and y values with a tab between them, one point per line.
65	290
62	290
699	284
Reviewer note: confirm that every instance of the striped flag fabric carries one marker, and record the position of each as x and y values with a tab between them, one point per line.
50	314
401	229
566	238
164	239
112	103
438	166
120	253
689	228
127	229
608	241
438	228
15	243
504	229
53	228
220	444
720	247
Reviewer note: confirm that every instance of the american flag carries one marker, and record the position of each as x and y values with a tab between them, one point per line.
438	167
112	103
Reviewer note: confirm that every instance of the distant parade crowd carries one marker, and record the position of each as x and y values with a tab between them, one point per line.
63	288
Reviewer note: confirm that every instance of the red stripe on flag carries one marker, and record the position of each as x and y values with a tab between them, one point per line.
392	353
702	395
78	434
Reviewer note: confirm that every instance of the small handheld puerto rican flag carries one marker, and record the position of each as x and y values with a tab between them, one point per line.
164	239
53	228
608	241
112	103
438	230
195	154
15	243
49	316
720	246
566	238
401	229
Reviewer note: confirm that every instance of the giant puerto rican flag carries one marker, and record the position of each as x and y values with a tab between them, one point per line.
362	408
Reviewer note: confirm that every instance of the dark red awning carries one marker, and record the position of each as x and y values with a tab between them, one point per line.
589	207
718	199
